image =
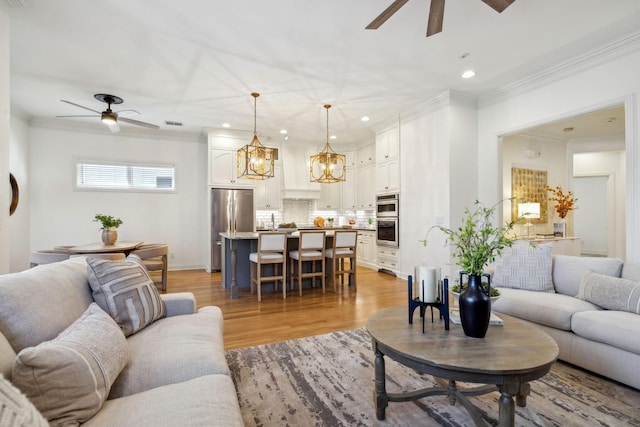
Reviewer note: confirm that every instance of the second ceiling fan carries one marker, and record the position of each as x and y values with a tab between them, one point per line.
436	13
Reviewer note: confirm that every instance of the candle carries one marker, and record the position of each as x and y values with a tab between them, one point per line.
427	281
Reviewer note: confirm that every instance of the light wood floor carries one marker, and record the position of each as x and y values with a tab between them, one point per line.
248	322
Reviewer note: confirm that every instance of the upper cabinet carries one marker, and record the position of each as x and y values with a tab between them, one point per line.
349	190
267	194
388	144
223	169
388	160
330	196
366	155
366	191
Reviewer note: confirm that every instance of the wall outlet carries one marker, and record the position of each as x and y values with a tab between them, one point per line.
172	255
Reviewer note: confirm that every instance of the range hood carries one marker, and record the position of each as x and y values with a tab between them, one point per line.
295	173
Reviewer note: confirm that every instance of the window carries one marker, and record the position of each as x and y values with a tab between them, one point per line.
96	175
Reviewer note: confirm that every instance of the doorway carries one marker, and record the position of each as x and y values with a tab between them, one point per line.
591	220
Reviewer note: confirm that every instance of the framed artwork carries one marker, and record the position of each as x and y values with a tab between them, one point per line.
529	186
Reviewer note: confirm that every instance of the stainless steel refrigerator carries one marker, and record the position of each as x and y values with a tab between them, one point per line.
231	210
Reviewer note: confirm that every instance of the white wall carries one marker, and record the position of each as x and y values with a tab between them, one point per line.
19	221
60	215
608	81
5	197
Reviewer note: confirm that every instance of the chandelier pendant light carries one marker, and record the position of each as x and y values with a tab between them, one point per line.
255	161
328	167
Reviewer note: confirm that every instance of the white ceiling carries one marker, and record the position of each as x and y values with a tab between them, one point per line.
197	61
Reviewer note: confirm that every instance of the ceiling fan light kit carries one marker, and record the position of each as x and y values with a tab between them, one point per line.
436	13
328	167
255	161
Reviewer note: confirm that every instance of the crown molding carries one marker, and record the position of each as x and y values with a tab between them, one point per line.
445	99
590	59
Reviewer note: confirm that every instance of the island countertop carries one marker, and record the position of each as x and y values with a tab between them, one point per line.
249	235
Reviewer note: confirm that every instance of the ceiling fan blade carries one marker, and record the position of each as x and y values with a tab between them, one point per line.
92	115
114	128
128	113
388	12
80	106
436	16
138	123
499	5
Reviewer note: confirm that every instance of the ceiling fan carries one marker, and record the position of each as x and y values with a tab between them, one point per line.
436	13
109	117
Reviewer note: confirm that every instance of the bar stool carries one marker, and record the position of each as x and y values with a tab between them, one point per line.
344	248
272	247
310	248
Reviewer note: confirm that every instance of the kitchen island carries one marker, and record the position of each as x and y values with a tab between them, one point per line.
236	248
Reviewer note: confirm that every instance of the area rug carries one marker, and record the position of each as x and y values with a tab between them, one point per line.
327	380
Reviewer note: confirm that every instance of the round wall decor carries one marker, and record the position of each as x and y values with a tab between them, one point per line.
15	194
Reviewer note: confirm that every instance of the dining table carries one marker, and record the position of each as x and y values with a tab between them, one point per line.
125	246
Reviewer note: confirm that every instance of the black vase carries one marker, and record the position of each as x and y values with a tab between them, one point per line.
475	306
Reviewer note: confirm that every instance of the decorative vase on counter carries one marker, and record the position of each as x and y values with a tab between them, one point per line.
109	236
475	306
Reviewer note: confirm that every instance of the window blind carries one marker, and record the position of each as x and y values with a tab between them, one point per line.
124	177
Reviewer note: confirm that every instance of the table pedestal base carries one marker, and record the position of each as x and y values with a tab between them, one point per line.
507	391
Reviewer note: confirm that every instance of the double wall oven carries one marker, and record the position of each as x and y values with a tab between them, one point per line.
387	220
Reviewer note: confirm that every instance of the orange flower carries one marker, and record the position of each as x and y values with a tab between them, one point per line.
564	202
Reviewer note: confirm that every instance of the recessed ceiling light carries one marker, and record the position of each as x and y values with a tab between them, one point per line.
333	137
468	74
365	118
226	125
283	131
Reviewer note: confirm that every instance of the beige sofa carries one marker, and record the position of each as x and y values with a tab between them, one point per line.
605	341
175	373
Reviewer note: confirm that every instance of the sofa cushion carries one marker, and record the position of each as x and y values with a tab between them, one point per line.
124	290
7	357
612	293
39	303
631	271
617	328
69	378
16	410
172	350
206	401
568	270
525	267
553	310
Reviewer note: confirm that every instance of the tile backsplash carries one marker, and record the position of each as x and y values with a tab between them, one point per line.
303	212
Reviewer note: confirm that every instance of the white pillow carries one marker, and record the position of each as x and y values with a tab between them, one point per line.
69	378
525	267
16	409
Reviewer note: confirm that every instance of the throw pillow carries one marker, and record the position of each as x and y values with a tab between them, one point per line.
125	290
15	408
69	378
525	267
612	293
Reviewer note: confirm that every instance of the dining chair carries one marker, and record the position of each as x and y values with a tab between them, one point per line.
272	247
154	257
46	257
343	249
311	248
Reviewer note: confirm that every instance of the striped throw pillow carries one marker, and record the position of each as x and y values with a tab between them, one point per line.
125	291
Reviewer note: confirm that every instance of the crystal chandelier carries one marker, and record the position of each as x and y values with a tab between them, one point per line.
255	161
328	167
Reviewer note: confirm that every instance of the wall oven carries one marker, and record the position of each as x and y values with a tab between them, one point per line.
387	206
387	232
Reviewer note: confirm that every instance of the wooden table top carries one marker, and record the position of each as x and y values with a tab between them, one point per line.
119	246
510	348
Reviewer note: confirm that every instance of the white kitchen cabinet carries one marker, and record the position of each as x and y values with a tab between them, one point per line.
350	158
366	155
388	258
349	190
267	194
366	253
330	196
388	144
365	188
223	169
388	176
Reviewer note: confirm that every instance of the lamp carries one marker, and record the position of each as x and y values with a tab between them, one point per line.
327	166
255	161
529	211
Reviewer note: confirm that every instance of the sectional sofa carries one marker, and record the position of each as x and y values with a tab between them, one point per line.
589	305
66	344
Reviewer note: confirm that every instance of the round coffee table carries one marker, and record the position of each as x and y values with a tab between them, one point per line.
505	360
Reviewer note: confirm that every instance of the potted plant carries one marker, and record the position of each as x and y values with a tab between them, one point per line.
109	228
476	244
564	203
